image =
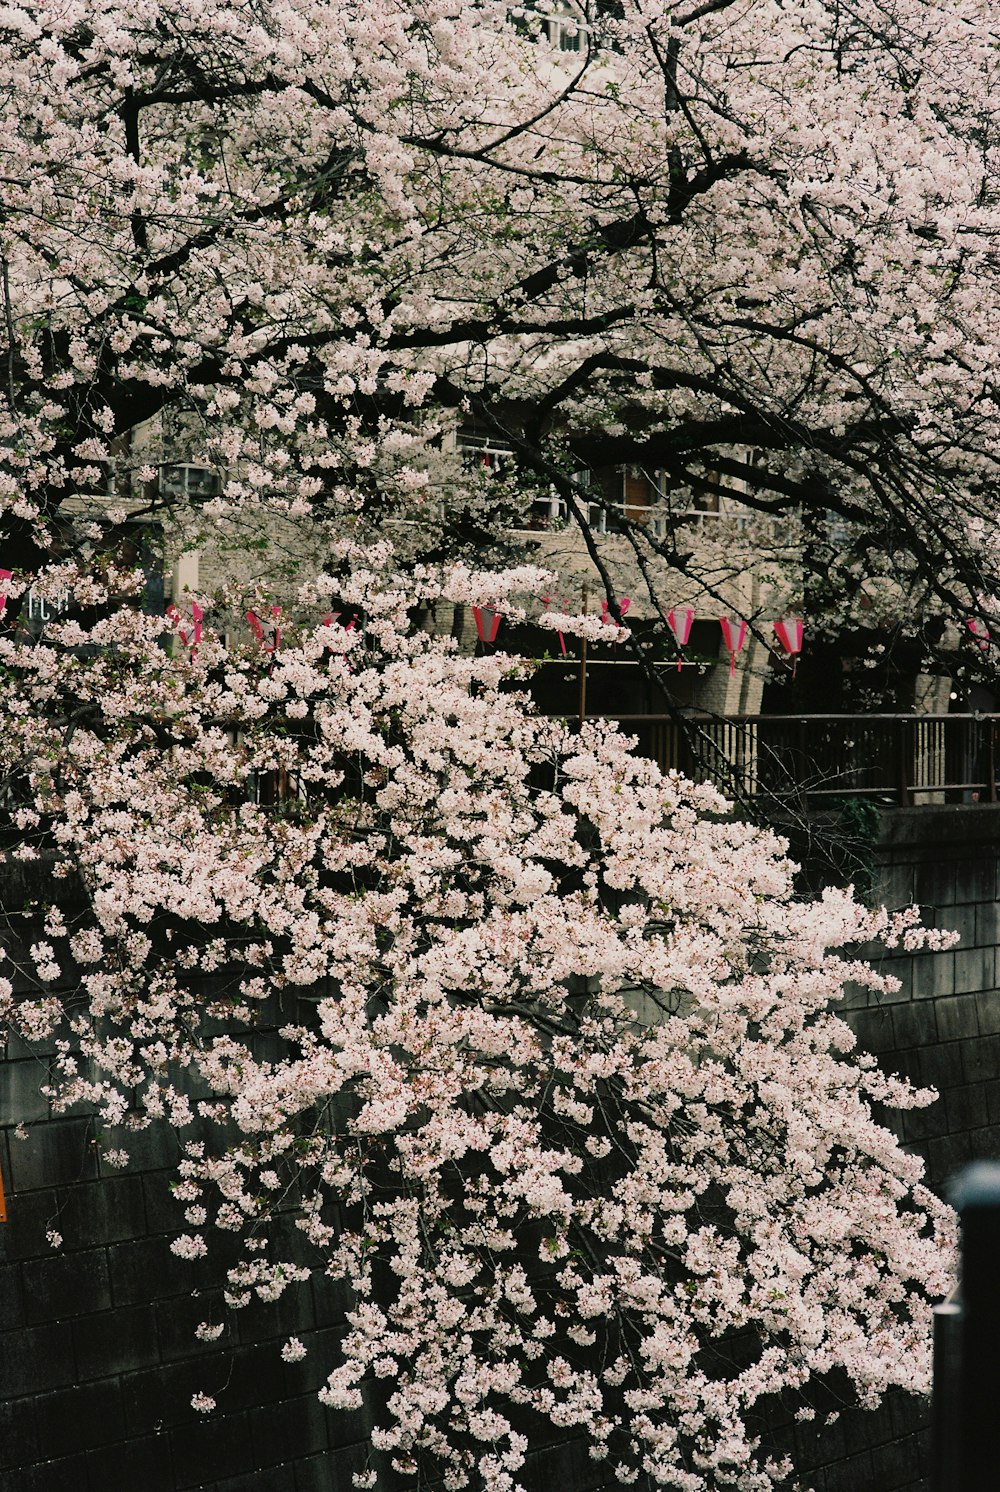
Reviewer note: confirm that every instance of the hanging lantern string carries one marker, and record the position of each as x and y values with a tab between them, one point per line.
788	630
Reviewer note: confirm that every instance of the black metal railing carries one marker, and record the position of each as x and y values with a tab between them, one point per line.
904	760
900	760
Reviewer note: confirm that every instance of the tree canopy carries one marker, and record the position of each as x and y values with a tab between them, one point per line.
750	247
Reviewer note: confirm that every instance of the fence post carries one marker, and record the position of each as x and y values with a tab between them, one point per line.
903	764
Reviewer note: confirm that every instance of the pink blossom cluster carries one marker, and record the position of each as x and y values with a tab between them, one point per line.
560	1092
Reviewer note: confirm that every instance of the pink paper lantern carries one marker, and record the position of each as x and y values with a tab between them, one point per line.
258	630
197	616
487	623
734	633
547	602
680	624
623	606
789	631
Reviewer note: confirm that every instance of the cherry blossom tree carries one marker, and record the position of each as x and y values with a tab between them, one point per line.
748	246
560	1096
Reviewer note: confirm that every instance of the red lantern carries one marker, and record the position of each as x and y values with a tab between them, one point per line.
546	602
789	633
982	636
487	623
5	575
734	633
680	623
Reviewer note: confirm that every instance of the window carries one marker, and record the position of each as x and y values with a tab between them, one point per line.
561	23
45	609
626	497
546	512
694	508
566	28
187	480
483	453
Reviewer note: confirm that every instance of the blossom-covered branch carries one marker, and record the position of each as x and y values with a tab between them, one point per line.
559	1093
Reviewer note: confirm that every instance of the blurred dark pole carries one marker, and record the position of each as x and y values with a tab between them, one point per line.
967	1396
946	1403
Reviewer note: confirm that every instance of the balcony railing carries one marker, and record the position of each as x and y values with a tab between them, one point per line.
904	760
893	760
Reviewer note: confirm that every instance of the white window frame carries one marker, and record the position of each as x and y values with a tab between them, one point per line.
483	451
168	486
564	25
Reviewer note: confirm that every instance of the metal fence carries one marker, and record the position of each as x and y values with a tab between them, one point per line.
902	760
899	759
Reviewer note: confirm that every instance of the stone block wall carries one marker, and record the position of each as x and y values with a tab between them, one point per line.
98	1356
941	1028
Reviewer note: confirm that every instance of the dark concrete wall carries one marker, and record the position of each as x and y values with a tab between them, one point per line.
941	1029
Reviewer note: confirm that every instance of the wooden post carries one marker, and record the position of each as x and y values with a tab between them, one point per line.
3	1204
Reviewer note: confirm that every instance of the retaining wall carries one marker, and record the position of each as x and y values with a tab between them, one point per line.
98	1361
